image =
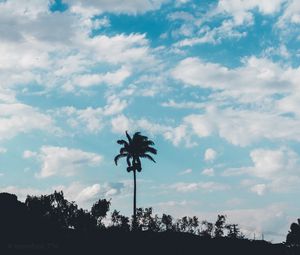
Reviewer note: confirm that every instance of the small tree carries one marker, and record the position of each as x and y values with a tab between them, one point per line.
220	226
293	237
206	229
99	210
167	220
83	221
119	221
234	231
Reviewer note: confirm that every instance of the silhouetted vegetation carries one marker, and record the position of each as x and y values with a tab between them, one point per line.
50	224
133	150
293	237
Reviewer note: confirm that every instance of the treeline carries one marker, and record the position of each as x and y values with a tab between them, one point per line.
53	213
56	212
64	214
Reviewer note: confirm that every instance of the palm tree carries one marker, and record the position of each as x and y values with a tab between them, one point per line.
133	150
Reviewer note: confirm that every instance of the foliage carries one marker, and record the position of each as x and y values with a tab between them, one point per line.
135	148
99	210
293	237
60	213
119	221
220	226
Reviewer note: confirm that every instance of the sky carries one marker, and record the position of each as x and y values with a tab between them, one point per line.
214	83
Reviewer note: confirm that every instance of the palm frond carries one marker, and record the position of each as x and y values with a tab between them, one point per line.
151	150
149	142
119	156
123	150
128	160
128	137
148	157
122	142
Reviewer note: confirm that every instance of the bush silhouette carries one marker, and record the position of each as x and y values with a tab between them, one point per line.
293	237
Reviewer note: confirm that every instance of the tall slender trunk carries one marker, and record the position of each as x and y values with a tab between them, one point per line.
134	200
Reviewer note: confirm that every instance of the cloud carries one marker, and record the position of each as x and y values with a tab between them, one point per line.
259	189
183	105
240	10
195	186
185	172
275	170
83	194
257	76
132	7
244	103
86	195
56	49
18	118
208	172
233	17
89	80
242	127
90	119
271	221
210	155
120	124
63	161
291	14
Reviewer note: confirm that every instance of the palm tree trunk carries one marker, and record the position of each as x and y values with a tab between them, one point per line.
134	200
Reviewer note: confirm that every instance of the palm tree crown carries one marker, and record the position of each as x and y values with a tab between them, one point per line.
136	147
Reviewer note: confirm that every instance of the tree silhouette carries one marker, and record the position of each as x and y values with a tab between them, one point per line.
293	237
133	150
220	226
167	220
99	210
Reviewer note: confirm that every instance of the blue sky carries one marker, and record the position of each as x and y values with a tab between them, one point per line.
213	83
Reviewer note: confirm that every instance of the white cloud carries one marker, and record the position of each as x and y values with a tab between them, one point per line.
17	118
247	96
254	80
120	124
114	105
203	186
240	10
92	7
183	105
91	119
84	195
186	171
276	171
235	17
208	172
291	14
63	161
56	50
271	221
210	155
259	189
88	80
29	154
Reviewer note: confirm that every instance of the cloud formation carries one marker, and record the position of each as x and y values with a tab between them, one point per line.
63	161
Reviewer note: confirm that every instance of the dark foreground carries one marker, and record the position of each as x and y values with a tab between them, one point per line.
112	242
52	225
